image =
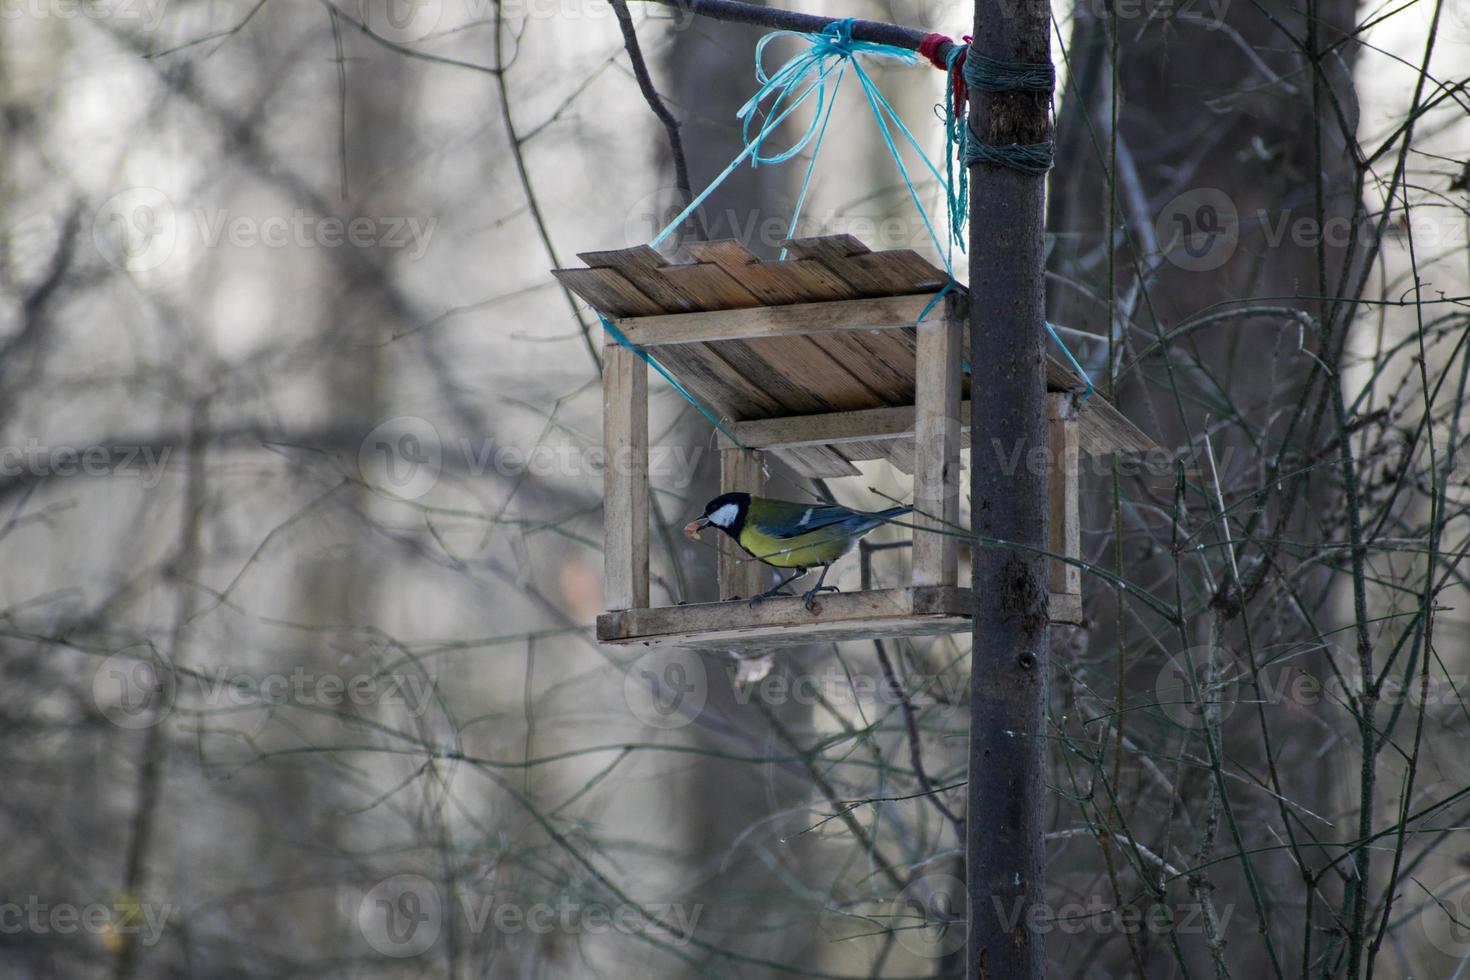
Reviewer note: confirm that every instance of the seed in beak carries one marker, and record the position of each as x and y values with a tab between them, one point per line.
692	529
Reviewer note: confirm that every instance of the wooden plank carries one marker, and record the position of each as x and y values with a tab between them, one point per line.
1065	609
835	379
782	621
800	376
836	247
840	617
883	360
774	374
642	267
868	449
748	379
887	273
797	319
1062	377
937	453
811	278
780	376
894	272
835	253
625	478
834	428
862	368
723	389
1103	430
900	452
709	287
816	463
1064	531
729	254
716	384
739	574
815	277
775	283
609	291
708	378
740	389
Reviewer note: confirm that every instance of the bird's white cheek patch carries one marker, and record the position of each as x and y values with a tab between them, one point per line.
724	516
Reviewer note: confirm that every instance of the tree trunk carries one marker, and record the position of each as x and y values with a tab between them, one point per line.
1009	666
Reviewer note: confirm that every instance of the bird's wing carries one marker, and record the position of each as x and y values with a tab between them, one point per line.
783	519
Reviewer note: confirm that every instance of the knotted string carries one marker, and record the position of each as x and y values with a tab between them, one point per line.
817	71
1028	158
1075	363
970	70
955	127
986	74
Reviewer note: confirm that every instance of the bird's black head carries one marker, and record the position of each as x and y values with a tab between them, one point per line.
726	512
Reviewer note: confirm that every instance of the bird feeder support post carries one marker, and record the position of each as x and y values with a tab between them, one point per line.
1063	524
1006	806
740	470
937	445
625	477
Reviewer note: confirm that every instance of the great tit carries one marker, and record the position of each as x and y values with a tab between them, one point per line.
790	535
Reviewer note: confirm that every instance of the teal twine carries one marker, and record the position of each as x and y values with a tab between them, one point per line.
1029	158
1066	350
880	107
831	50
648	359
957	185
828	52
983	74
987	74
937	297
818	71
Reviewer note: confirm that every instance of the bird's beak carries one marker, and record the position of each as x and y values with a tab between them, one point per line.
692	529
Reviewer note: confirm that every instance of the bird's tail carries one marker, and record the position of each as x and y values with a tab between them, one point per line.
893	512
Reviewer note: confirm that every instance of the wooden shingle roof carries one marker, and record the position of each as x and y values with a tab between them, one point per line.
813	361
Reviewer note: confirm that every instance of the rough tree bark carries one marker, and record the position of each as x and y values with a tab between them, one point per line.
1010	662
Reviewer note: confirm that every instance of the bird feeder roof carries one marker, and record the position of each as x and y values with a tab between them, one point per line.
828	332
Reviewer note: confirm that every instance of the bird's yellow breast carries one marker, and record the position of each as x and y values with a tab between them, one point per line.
819	547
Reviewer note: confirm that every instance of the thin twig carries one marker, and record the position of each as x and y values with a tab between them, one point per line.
656	103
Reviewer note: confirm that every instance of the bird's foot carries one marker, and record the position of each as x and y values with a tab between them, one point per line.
774	593
809	598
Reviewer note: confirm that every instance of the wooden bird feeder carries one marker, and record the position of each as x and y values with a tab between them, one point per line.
820	361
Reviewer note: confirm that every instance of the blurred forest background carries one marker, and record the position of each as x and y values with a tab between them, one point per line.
300	492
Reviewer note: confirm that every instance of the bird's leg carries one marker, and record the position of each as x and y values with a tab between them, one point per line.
772	593
810	597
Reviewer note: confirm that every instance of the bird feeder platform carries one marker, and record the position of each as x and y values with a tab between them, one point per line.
820	361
